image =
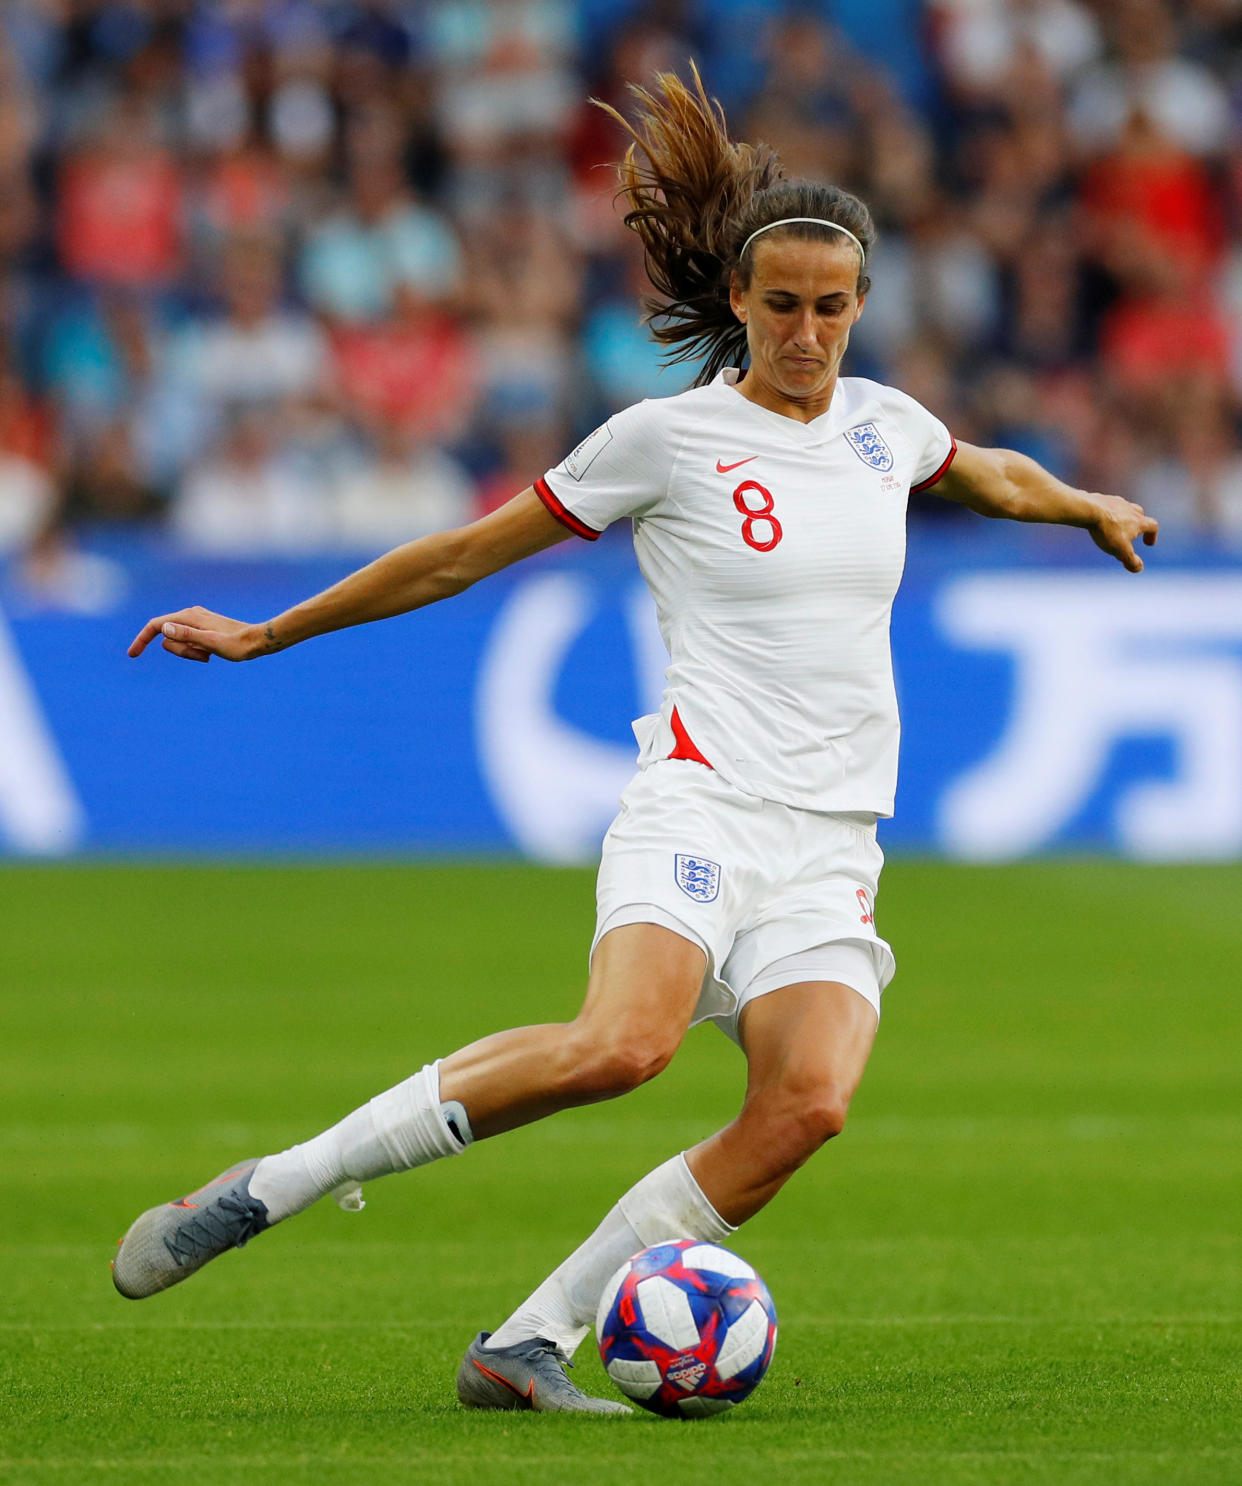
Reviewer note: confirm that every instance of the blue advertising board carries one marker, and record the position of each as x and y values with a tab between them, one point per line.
1050	701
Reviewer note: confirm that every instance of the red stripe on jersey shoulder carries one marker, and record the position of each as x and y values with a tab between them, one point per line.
685	744
931	479
567	518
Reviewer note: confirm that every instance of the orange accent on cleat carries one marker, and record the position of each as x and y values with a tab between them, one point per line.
505	1383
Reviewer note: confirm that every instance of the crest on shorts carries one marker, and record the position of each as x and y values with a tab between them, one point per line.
870	447
697	877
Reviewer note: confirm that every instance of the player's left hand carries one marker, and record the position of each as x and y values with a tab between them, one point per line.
1117	525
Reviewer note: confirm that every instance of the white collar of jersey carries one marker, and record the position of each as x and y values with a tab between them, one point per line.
826	425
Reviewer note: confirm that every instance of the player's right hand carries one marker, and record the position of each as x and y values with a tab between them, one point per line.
198	634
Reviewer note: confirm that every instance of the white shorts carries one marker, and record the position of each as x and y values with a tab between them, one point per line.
773	895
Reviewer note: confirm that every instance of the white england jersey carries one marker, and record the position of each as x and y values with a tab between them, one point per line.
773	550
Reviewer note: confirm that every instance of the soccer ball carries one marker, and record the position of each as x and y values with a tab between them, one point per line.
686	1329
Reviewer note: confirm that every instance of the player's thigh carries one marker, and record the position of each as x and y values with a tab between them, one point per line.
808	1044
643	988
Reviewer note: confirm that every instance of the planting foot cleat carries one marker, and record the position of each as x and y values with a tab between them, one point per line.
167	1244
527	1375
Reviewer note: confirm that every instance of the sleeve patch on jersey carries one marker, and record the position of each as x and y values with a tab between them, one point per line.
588	451
931	479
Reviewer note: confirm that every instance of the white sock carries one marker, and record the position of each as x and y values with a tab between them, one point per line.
403	1127
668	1203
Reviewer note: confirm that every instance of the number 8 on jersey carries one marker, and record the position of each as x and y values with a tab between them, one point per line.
754	514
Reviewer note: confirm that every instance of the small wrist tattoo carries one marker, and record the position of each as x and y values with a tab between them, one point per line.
273	644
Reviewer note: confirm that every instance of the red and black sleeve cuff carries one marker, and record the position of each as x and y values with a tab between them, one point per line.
567	518
931	479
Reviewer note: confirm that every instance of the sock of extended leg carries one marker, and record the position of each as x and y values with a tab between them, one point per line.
403	1127
666	1204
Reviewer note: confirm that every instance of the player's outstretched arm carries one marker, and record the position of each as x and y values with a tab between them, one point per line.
408	577
1000	482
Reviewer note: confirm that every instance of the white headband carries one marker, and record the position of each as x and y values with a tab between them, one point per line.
819	221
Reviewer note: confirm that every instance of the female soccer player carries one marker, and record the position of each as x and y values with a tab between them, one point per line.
738	881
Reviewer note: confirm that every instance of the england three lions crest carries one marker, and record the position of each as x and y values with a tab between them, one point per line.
870	447
698	878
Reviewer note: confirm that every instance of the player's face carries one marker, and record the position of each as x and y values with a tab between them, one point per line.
798	309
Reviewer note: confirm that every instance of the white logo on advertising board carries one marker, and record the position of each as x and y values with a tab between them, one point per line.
555	787
39	809
1096	662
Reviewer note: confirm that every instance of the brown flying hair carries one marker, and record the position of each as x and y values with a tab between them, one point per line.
695	196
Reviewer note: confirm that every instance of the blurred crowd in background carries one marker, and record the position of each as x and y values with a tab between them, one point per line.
285	277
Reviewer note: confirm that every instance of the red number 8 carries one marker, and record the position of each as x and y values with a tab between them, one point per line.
760	513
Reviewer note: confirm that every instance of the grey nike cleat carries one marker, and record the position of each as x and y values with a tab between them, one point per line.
168	1243
527	1375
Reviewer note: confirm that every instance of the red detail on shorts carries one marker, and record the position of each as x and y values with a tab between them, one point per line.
866	917
685	744
567	518
931	479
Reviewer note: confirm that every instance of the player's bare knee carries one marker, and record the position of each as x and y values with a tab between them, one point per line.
795	1121
824	1117
810	1127
605	1067
608	1072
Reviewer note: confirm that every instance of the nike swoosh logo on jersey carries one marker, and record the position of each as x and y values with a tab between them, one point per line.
723	469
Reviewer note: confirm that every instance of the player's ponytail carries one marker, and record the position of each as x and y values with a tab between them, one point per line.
695	198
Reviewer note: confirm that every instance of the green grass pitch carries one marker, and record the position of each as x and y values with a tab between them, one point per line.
1022	1262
